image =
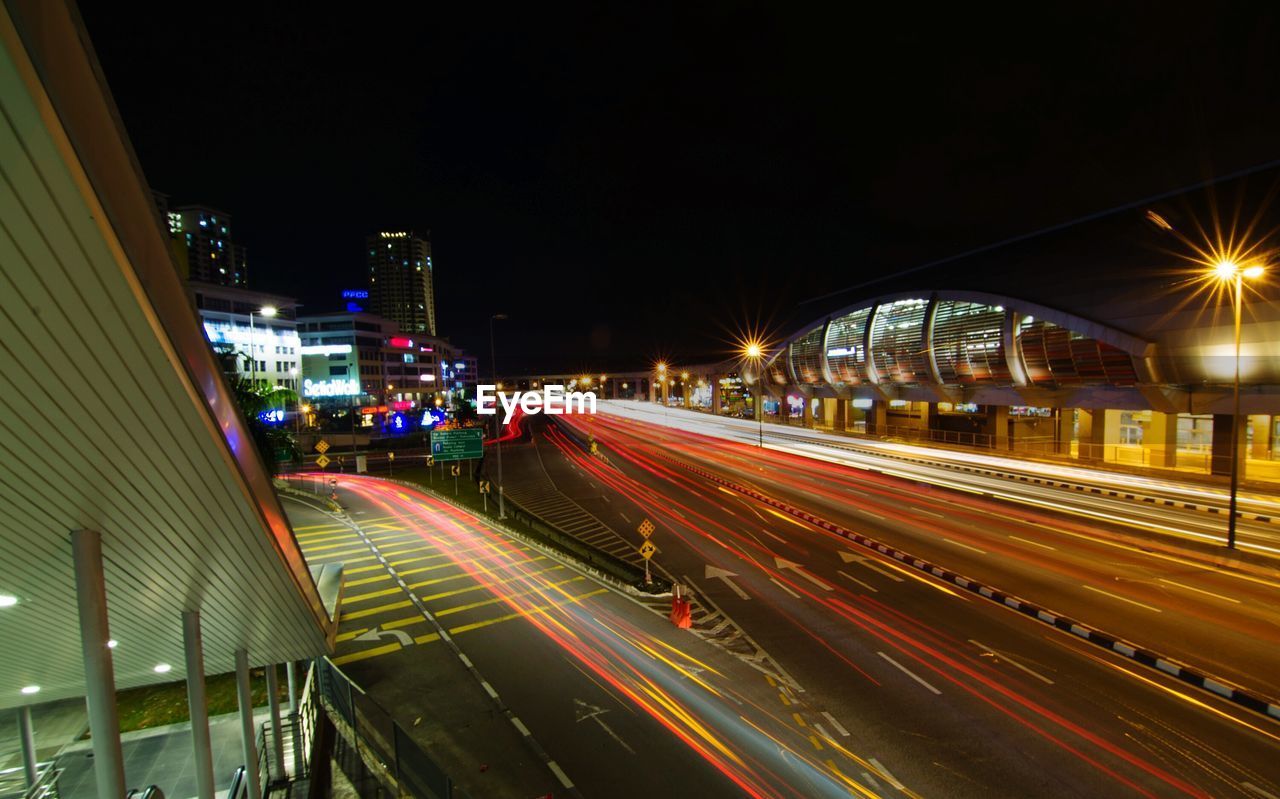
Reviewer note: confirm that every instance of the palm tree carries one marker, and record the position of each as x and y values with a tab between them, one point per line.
275	444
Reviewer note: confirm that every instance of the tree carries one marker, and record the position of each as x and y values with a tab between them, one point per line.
275	444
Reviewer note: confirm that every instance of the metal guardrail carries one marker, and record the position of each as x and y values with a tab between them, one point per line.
374	751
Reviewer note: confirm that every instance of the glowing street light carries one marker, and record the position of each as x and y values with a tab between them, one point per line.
754	352
1231	275
269	311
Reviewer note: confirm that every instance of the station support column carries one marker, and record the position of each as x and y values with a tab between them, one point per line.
198	703
99	672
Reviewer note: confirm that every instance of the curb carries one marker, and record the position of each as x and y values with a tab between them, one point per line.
1044	481
1248	699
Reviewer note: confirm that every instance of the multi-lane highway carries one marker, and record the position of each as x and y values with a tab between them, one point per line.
969	698
1189	512
621	703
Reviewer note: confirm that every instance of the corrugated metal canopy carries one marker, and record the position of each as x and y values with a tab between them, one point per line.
112	413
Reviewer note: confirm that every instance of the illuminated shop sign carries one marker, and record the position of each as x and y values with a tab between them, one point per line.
326	349
432	417
401	342
355	294
335	387
272	416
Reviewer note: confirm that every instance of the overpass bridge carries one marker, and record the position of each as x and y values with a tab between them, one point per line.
143	541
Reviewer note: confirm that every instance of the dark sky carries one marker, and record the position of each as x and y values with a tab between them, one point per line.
643	180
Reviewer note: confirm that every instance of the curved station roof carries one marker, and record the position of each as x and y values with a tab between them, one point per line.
1113	313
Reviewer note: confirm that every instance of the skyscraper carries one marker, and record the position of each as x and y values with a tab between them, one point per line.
401	283
211	255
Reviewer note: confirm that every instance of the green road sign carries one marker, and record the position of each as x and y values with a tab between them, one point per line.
457	445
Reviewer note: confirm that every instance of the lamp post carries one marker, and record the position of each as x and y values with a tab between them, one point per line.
268	311
1232	275
754	352
493	359
661	369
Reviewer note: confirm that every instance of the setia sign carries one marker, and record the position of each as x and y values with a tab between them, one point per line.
337	387
553	400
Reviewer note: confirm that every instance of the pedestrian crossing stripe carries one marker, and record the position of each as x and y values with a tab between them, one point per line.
387	649
366	612
418	618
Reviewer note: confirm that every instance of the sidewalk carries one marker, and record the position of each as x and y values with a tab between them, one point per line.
56	725
160	756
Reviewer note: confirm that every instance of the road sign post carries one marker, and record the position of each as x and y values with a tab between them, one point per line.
455	470
484	493
391	463
647	549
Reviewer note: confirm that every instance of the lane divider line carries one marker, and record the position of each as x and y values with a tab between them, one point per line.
1247	698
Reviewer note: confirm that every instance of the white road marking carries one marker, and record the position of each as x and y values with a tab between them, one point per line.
560	775
1011	661
1033	543
1200	591
783	563
624	517
778	538
835	724
1122	599
928	512
884	772
910	674
784	588
1253	789
966	546
856	580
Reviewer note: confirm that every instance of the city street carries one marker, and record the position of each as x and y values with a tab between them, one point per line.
623	703
908	657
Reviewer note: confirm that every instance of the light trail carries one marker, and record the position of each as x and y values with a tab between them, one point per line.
1014	701
648	672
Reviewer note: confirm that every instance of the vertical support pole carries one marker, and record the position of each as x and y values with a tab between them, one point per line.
273	702
27	736
99	673
244	697
291	678
197	703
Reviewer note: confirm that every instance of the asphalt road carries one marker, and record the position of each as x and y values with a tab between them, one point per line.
1190	511
623	704
1224	620
965	698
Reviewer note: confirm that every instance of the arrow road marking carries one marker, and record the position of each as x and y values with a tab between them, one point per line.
375	634
783	563
849	557
584	711
716	573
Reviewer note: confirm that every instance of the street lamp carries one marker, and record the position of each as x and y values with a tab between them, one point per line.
1230	274
268	311
493	359
754	352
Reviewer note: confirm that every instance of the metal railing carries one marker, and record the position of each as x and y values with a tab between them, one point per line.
13	782
373	750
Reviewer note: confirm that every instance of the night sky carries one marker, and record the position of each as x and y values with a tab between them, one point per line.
645	181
